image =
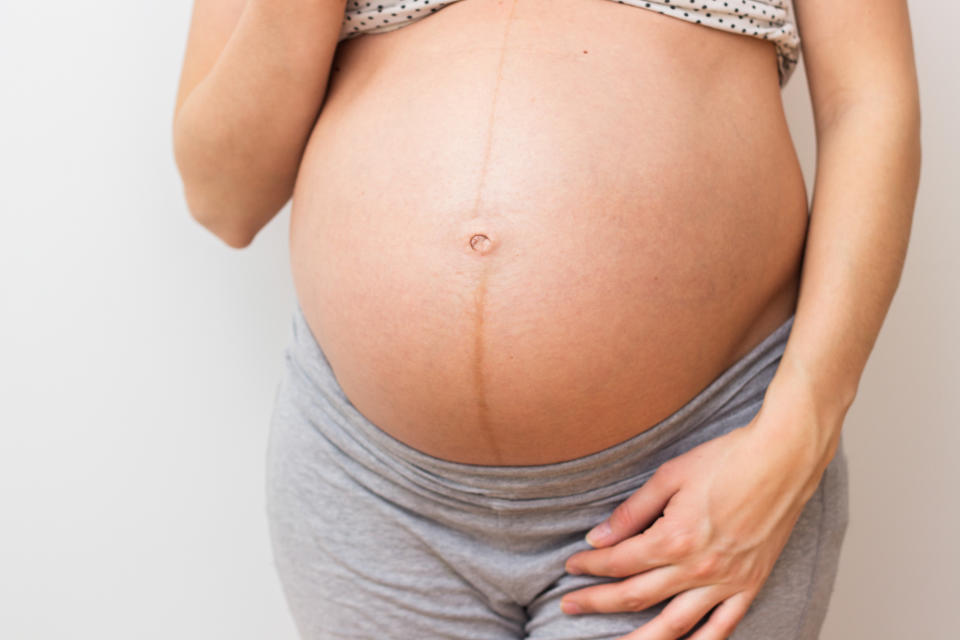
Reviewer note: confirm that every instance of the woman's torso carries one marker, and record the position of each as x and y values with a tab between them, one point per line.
527	230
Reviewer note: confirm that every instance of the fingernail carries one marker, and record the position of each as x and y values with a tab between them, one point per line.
570	607
598	534
573	571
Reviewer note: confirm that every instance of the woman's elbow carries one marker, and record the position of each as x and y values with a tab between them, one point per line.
221	216
228	226
231	207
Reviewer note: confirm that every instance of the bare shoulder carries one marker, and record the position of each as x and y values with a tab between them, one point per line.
855	50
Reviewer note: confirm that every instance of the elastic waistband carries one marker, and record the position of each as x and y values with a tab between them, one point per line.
718	408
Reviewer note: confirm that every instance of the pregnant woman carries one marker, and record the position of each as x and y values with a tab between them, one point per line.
571	354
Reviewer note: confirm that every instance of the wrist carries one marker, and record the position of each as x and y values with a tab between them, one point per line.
795	382
798	427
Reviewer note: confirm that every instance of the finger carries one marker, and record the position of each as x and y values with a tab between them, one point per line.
724	619
679	616
648	550
636	593
637	512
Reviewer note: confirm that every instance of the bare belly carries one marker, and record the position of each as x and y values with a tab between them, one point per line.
524	231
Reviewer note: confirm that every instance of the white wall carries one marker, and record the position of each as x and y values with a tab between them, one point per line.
138	354
139	358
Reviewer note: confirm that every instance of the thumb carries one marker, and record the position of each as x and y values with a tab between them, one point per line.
637	512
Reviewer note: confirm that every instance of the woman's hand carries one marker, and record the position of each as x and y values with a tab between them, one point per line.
728	508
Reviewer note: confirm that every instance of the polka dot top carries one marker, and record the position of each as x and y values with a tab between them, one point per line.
771	20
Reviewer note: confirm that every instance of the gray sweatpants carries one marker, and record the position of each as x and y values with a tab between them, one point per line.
374	539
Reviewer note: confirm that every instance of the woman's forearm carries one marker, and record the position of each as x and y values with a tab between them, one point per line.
240	133
868	168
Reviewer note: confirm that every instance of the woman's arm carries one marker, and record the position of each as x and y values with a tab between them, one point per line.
254	76
863	83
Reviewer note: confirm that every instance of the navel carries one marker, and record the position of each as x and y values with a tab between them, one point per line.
480	242
478	236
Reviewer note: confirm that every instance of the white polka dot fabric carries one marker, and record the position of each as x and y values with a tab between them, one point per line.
772	20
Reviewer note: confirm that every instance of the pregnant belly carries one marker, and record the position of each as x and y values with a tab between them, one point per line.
520	242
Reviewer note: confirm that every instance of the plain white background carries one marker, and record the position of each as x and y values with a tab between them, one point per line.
139	358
